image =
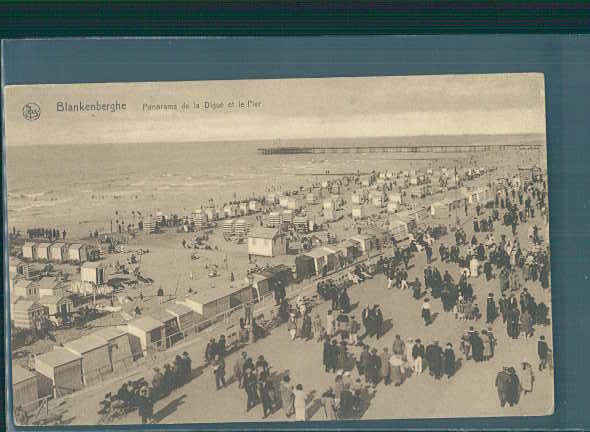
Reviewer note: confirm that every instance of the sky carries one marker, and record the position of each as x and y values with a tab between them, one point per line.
290	109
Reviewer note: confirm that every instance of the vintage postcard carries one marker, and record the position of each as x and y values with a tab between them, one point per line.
278	250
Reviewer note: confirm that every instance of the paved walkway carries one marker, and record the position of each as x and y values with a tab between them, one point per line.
471	392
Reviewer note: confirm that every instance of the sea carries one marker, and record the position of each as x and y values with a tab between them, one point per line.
84	185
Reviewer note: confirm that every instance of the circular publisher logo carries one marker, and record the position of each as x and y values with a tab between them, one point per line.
31	111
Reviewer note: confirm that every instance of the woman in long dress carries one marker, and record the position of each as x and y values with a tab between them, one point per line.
287	398
396	363
526	377
300	397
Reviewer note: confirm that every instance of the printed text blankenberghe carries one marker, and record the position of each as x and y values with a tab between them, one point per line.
112	107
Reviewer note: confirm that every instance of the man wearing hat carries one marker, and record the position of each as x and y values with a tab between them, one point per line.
250	388
426	311
219	371
418	356
188	366
157	381
449	361
503	384
542	351
490	309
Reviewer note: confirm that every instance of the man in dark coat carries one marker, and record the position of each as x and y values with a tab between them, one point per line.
490	309
326	355
332	358
513	388
364	362
503	302
250	388
543	352
476	346
266	391
513	320
344	301
367	318
373	368
434	356
449	361
378	320
503	384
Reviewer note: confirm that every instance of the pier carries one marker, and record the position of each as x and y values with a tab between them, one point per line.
472	148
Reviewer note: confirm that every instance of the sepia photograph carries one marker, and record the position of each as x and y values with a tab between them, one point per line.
278	250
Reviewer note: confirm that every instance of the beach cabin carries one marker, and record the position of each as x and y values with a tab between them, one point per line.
395	198
43	251
77	252
366	243
264	282
120	353
25	389
253	206
58	252
27	314
94	272
211	302
17	267
185	316
294	203
230	211
399	229
357	198
60	372
211	213
49	286
324	259
172	333
266	242
329	204
312	198
304	266
359	212
57	305
146	333
274	219
378	201
96	361
287	216
24	288
244	208
241	228
392	207
30	251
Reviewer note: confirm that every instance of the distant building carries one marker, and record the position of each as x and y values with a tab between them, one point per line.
266	242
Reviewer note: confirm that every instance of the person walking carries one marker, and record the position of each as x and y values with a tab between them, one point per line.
250	388
418	356
385	371
300	403
219	371
449	361
503	386
239	368
542	351
426	312
527	378
266	396
287	397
